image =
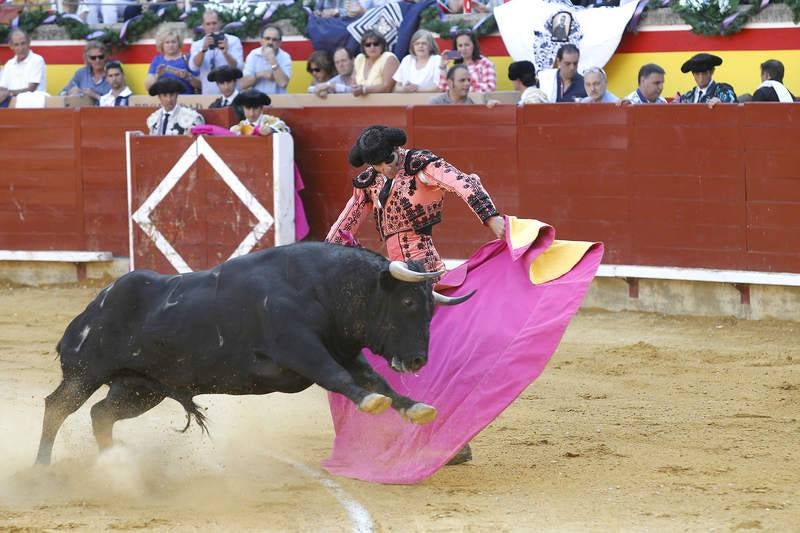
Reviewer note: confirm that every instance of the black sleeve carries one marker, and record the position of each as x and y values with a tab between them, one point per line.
765	94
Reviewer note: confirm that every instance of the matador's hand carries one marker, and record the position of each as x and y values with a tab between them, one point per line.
498	226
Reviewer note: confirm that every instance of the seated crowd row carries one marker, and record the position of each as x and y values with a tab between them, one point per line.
454	73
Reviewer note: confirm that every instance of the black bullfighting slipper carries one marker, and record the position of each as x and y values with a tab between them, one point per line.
463	455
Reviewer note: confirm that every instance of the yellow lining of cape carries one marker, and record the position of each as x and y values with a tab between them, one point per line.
523	231
557	260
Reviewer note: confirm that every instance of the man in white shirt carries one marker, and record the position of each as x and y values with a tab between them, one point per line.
120	93
25	72
268	68
214	50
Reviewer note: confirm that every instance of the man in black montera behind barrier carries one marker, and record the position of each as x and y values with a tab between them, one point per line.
277	320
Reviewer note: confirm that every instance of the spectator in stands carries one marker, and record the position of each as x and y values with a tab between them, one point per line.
419	70
320	66
343	81
268	68
172	63
707	91
772	88
595	82
563	83
374	67
137	7
483	77
105	11
338	8
214	50
25	72
226	77
651	85
523	77
90	79
119	93
256	122
171	118
457	6
458	85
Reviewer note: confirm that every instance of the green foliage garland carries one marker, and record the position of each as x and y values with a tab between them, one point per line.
706	16
795	6
31	19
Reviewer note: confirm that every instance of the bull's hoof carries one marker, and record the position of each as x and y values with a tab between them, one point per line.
420	413
375	403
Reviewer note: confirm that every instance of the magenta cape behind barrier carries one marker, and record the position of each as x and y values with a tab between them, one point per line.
483	354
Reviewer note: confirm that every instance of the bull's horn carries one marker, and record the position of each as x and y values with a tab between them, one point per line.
399	270
441	299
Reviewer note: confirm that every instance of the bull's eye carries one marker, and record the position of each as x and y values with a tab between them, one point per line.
408	302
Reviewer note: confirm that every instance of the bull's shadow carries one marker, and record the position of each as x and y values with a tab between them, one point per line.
277	320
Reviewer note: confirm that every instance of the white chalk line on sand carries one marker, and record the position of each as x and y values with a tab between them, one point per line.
362	521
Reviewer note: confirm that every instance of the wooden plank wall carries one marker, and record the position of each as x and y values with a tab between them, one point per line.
201	217
673	185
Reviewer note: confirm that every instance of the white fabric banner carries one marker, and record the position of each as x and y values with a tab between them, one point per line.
536	29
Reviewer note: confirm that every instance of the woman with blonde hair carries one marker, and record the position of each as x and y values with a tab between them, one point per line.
171	62
419	70
374	67
90	79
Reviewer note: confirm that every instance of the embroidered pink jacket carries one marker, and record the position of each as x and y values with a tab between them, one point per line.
412	201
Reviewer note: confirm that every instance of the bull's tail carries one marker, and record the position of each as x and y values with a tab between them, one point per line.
193	410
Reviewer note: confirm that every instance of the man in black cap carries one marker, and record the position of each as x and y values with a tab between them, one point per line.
225	77
523	78
171	118
256	122
707	90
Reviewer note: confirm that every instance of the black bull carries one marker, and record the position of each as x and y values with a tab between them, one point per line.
277	320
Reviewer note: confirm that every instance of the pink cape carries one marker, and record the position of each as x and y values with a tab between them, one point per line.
483	354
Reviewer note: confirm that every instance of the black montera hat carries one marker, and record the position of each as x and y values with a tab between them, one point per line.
701	63
224	73
251	98
166	86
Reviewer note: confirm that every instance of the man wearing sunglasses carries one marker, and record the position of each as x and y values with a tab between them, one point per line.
90	79
268	68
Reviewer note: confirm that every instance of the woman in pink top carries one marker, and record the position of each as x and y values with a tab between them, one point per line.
483	78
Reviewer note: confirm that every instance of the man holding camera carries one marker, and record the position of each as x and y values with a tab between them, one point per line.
268	68
214	50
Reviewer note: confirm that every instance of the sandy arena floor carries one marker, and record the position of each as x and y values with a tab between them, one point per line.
640	423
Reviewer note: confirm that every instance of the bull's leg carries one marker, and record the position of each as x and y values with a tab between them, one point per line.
364	375
310	359
65	400
127	398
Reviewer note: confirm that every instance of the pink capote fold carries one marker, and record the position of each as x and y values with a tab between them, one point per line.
483	354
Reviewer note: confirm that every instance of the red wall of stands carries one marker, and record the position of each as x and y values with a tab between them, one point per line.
675	185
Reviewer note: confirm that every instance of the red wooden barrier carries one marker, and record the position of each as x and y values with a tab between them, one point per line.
200	217
669	185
